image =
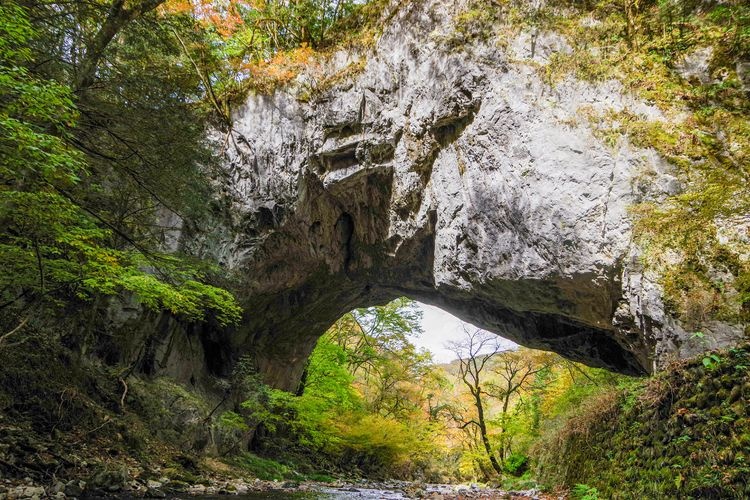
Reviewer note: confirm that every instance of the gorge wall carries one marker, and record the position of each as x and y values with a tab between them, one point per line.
452	174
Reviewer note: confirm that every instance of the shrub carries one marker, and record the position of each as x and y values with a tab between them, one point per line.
516	464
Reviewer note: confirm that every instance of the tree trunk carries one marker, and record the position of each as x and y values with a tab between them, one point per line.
483	432
117	17
506	403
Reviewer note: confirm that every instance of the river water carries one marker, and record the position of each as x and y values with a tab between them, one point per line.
323	493
384	492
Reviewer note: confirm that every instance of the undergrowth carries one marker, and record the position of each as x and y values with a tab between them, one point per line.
683	433
64	416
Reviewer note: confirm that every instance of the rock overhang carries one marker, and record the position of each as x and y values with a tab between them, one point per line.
457	177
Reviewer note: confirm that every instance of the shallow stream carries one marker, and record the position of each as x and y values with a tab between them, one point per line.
385	491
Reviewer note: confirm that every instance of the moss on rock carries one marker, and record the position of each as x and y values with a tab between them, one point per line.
671	436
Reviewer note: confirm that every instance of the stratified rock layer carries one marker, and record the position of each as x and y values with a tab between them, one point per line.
449	173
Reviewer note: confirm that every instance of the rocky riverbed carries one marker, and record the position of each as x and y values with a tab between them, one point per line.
256	489
36	466
390	490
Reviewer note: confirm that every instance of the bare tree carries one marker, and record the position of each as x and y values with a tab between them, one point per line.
515	369
474	353
469	436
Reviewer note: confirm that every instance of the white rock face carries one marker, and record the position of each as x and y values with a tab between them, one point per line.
696	65
451	175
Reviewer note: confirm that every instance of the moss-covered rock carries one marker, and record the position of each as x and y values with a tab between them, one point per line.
672	436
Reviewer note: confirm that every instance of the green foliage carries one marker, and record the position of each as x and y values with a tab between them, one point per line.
320	478
268	407
525	482
328	380
264	468
310	418
711	362
585	492
390	372
55	247
361	406
233	421
681	434
515	463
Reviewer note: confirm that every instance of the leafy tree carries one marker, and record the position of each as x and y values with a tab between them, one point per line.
504	405
516	371
56	246
365	395
328	394
367	334
393	376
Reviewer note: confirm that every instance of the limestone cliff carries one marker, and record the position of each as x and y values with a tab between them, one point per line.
449	173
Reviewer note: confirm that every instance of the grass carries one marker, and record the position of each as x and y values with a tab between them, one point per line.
264	468
271	470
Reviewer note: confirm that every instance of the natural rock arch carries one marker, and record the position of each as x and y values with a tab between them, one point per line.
458	178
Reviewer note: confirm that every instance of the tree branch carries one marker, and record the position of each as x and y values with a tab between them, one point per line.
117	17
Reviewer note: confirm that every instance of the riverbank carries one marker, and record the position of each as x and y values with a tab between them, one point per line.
258	489
38	466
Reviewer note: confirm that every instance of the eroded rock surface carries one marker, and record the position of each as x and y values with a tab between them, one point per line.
451	174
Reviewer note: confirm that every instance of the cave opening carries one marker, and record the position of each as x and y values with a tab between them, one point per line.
410	389
283	339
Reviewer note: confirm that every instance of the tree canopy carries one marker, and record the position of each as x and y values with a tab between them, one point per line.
89	164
